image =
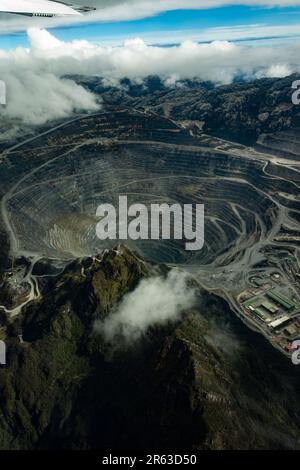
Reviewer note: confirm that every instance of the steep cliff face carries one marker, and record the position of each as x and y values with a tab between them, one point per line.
187	384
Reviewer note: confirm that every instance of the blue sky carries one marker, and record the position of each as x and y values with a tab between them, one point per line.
238	23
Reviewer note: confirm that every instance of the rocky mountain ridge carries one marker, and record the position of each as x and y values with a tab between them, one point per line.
191	383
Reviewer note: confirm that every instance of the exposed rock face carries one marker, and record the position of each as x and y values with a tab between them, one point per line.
12	296
240	112
184	385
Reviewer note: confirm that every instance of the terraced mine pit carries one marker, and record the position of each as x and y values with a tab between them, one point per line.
252	204
58	202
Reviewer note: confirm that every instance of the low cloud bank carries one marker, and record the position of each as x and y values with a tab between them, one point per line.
36	98
38	93
155	301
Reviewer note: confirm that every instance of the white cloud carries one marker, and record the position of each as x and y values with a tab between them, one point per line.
39	98
279	71
124	10
155	301
37	93
218	61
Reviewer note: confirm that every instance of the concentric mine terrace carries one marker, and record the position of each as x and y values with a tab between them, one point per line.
251	197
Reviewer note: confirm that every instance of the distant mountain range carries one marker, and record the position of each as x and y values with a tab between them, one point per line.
239	112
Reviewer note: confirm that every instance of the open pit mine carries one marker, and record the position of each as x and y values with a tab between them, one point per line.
54	182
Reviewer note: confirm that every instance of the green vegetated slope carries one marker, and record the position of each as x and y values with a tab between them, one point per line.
204	382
